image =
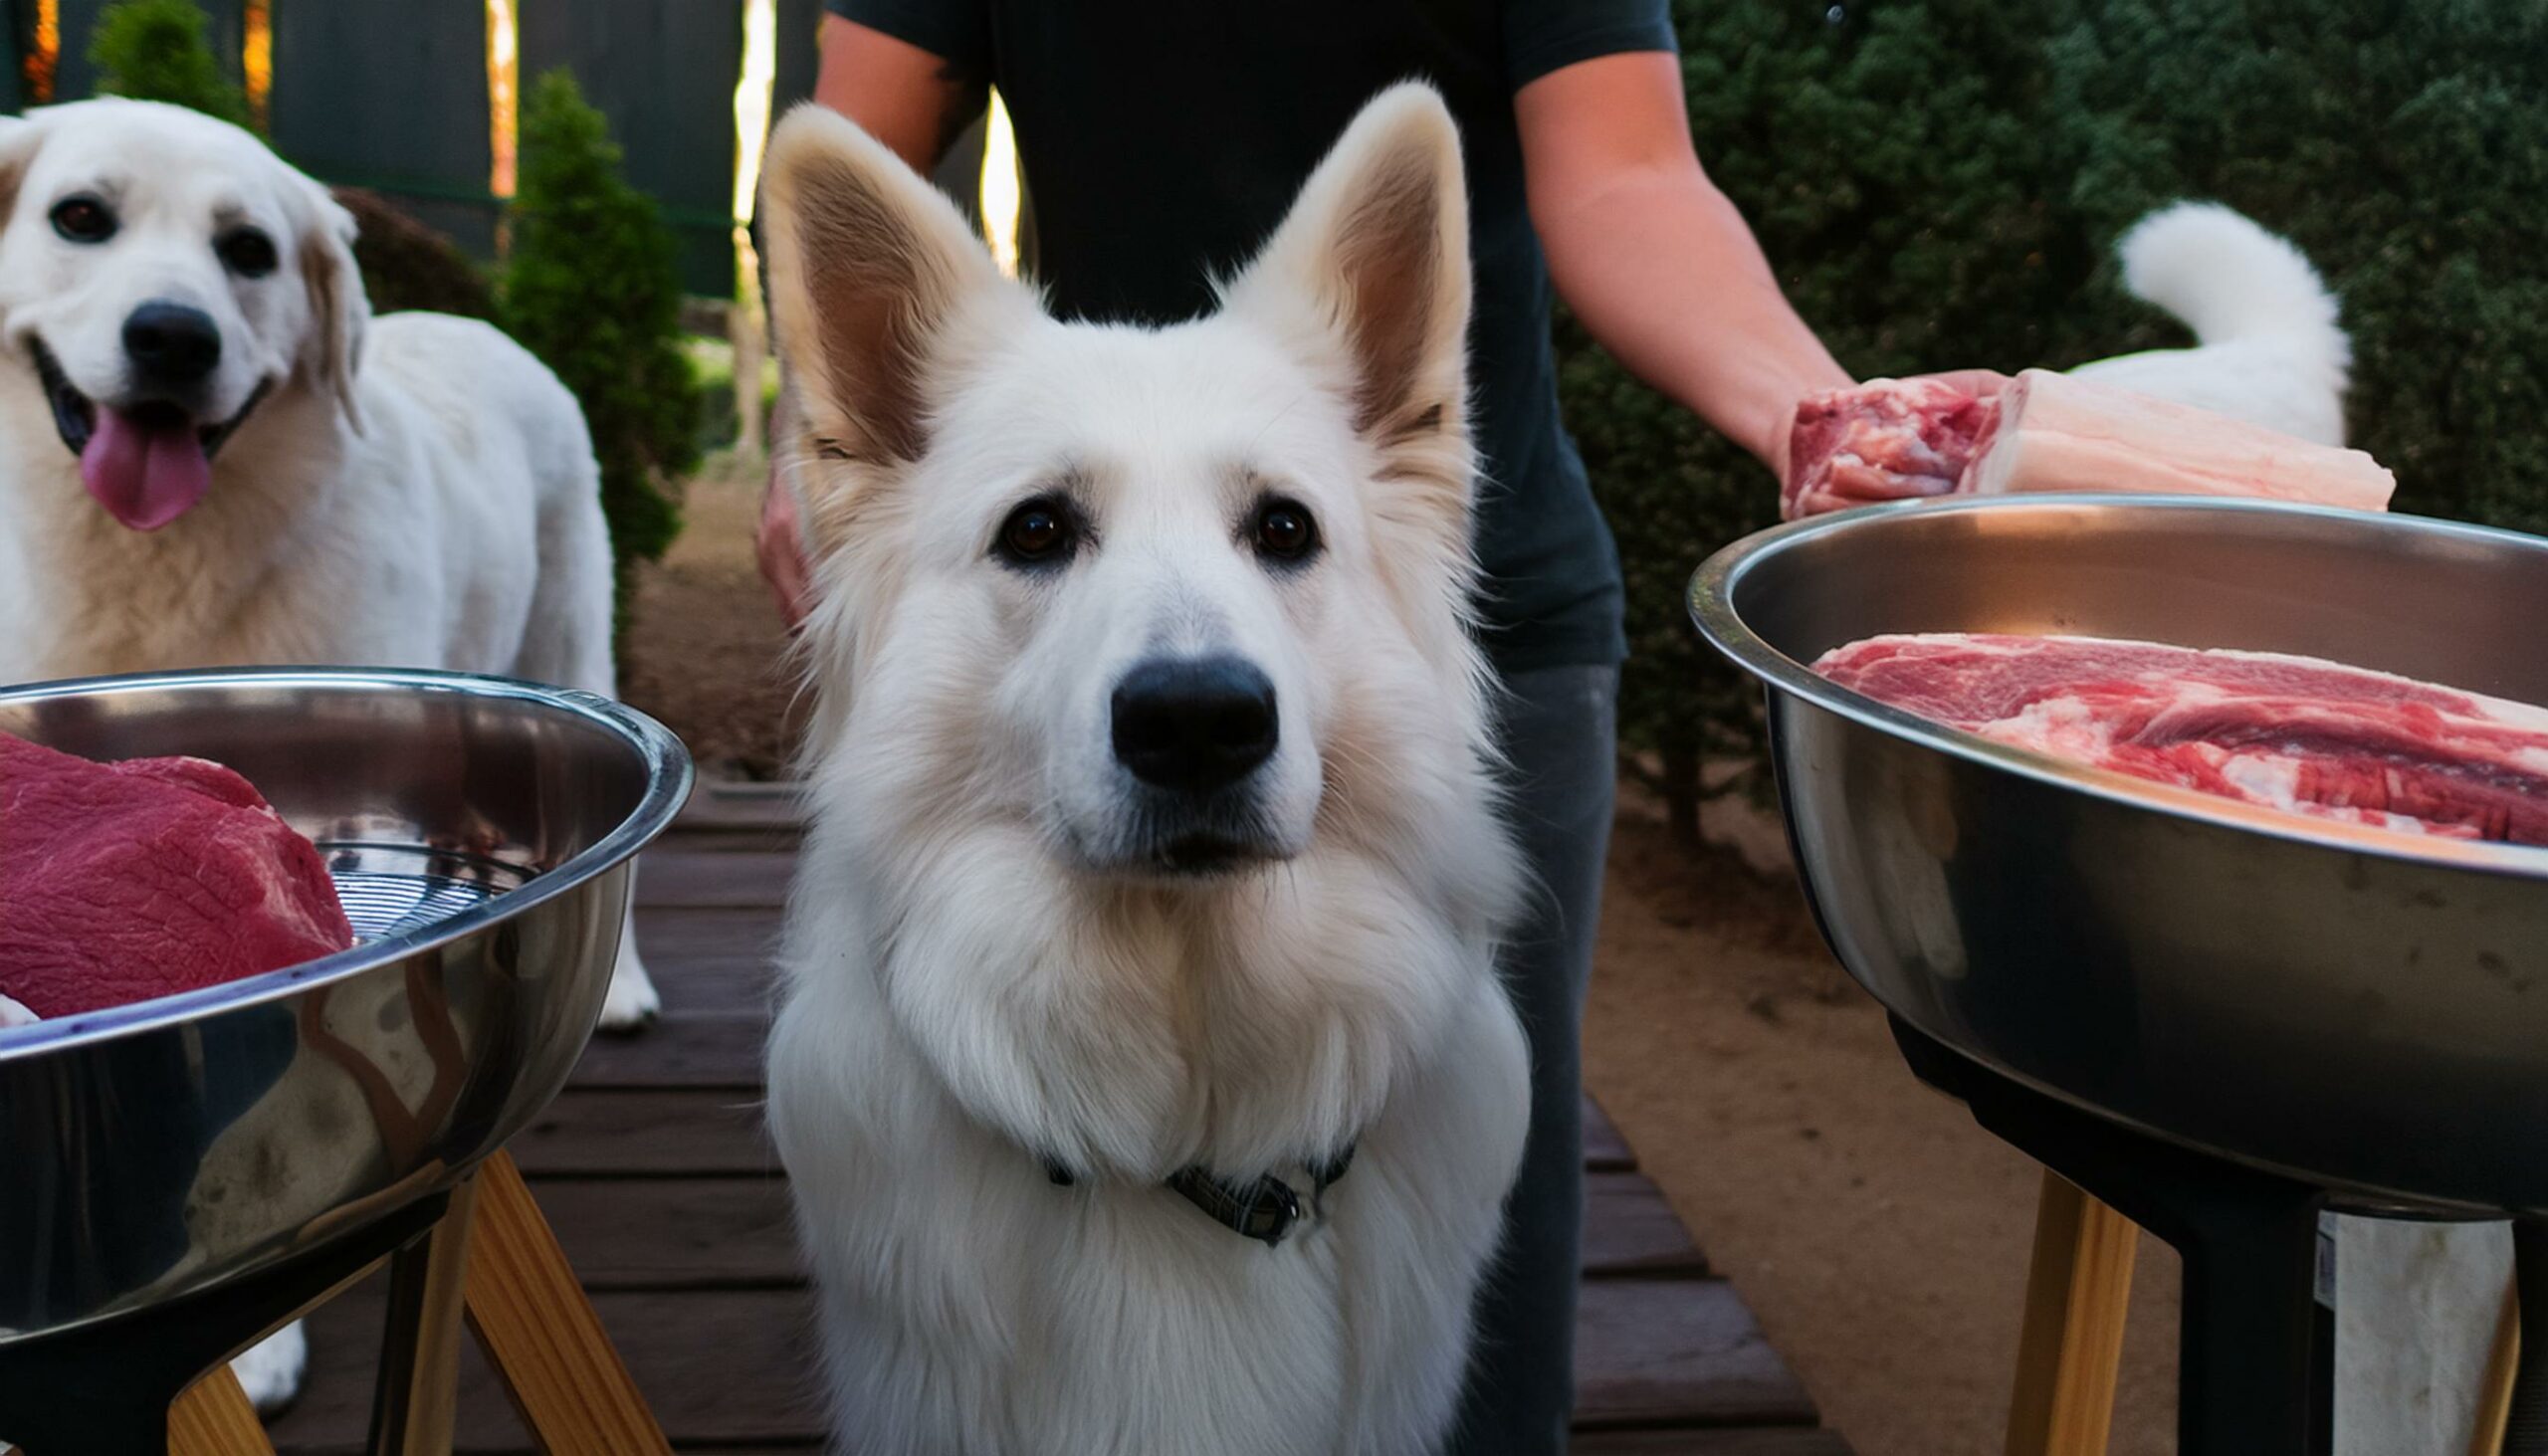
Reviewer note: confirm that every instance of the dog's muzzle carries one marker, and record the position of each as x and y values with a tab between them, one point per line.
1194	733
145	459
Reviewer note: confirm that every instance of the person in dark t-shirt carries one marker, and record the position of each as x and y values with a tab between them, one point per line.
1162	141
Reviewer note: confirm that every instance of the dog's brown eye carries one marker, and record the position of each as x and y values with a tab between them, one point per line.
84	220
1285	532
247	252
1037	533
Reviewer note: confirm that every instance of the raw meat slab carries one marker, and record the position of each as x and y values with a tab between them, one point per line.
2294	733
121	882
1893	439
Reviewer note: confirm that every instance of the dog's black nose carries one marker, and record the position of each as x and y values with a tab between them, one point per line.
170	344
1194	723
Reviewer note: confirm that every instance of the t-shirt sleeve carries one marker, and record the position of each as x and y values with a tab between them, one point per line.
1540	36
956	31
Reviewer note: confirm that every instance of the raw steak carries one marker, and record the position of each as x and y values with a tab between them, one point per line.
2294	733
1883	441
121	881
2048	432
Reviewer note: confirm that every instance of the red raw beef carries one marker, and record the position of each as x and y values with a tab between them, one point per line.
1885	440
2294	733
121	881
1982	433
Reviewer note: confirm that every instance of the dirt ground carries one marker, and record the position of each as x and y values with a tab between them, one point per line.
1881	1238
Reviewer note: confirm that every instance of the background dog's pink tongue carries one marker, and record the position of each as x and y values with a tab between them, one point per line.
145	473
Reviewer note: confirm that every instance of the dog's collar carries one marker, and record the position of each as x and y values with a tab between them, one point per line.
1264	1208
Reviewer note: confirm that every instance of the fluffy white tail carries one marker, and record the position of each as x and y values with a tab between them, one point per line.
2229	279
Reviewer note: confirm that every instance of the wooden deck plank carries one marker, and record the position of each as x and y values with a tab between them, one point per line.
706	1049
1788	1441
648	1133
1630	1231
710	960
731	810
1677	1351
685	877
675	1233
729	1368
1604	1150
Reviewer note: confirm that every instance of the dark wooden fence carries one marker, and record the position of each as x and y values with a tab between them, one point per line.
392	95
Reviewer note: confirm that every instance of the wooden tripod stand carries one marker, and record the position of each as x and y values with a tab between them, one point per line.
493	1260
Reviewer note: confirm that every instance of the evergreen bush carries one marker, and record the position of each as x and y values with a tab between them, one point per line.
156	51
590	285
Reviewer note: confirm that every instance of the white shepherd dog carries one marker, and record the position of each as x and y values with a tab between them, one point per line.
1154	868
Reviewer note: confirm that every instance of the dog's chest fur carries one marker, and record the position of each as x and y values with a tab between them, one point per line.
976	1306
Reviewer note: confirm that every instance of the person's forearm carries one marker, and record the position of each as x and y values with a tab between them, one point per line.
1664	274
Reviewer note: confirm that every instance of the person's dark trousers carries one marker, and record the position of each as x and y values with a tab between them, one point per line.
1560	729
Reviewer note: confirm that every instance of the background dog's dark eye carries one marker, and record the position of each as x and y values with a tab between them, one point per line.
84	220
1039	532
247	252
1285	531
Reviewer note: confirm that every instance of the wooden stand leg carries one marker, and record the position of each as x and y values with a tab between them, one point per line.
414	1405
2494	1398
540	1334
2079	1292
214	1418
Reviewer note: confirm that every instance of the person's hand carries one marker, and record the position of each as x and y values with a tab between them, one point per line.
782	549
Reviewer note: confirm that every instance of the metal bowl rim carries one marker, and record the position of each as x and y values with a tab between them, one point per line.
1711	606
669	778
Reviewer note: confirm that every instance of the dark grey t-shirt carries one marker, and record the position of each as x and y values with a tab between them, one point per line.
1163	140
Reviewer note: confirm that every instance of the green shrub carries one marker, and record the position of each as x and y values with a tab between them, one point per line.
2403	144
591	287
156	51
1940	183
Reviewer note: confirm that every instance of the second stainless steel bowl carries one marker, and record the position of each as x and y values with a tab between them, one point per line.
2354	1006
481	833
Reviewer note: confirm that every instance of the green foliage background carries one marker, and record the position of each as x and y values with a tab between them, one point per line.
591	287
156	51
1940	182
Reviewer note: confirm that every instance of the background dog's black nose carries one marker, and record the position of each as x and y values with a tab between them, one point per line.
1194	723
170	344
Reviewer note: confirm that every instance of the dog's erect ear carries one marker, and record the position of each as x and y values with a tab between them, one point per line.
870	273
339	309
1368	278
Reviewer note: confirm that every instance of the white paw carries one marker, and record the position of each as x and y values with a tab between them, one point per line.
632	1003
271	1370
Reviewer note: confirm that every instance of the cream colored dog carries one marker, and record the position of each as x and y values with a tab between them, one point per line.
210	453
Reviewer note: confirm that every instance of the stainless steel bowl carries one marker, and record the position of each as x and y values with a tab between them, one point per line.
479	832
2361	1010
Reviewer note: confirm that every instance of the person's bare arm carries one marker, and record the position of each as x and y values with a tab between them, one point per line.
916	103
909	99
1652	258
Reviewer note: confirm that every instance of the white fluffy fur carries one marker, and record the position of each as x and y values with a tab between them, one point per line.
2270	350
980	972
415	491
